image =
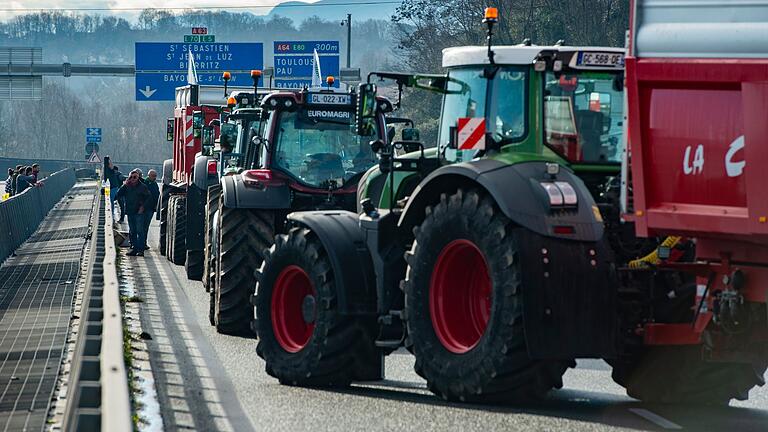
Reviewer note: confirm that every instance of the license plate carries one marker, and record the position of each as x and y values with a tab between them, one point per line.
601	59
330	99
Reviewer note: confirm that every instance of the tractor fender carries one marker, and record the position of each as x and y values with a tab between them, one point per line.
200	176
340	234
238	195
167	172
516	190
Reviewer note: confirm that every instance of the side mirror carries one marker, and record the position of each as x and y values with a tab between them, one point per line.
411	134
169	126
197	123
365	110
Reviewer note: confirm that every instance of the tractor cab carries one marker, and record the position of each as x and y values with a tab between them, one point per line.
240	140
310	140
557	103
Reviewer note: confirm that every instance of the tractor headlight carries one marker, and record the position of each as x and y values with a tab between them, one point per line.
554	194
560	194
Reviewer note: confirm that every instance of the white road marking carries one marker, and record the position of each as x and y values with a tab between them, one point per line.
655	418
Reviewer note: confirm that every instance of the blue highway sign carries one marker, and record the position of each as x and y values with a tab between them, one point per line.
169	56
162	66
294	61
159	86
93	135
301	66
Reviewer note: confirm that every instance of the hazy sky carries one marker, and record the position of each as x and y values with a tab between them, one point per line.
130	15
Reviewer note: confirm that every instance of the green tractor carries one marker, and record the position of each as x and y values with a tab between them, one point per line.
485	256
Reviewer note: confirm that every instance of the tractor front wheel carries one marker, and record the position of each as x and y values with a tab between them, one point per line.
169	233
209	258
244	234
163	226
463	299
303	338
179	230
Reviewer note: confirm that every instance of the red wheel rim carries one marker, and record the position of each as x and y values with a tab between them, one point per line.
460	296
291	330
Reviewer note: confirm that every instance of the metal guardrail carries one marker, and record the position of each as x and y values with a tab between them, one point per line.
99	398
21	214
115	397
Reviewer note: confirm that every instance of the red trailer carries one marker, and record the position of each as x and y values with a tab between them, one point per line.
697	95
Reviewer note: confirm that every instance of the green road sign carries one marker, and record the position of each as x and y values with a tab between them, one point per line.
199	38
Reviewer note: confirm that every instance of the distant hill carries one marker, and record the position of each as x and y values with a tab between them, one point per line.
335	10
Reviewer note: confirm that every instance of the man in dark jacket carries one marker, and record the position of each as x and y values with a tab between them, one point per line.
24	180
154	190
137	204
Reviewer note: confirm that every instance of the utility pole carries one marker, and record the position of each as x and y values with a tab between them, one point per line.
348	23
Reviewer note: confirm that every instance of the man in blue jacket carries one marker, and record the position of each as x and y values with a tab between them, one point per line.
137	205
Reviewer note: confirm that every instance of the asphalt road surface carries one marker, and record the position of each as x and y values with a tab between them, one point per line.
208	381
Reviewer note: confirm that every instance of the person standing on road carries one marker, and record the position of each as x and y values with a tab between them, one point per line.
114	182
9	183
120	202
154	190
137	203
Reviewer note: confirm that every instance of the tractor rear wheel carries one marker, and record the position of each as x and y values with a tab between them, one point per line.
179	230
463	300
302	337
171	218
244	234
209	258
679	374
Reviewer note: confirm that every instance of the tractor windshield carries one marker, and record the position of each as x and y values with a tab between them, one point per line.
467	96
583	116
317	147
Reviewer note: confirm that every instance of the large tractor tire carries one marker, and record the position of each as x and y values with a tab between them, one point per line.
244	235
164	205
679	374
163	228
463	300
194	265
169	234
209	258
179	246
302	337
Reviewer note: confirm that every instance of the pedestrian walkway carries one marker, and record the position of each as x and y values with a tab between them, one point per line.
37	285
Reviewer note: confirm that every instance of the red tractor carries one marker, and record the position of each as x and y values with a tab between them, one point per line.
185	177
697	95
